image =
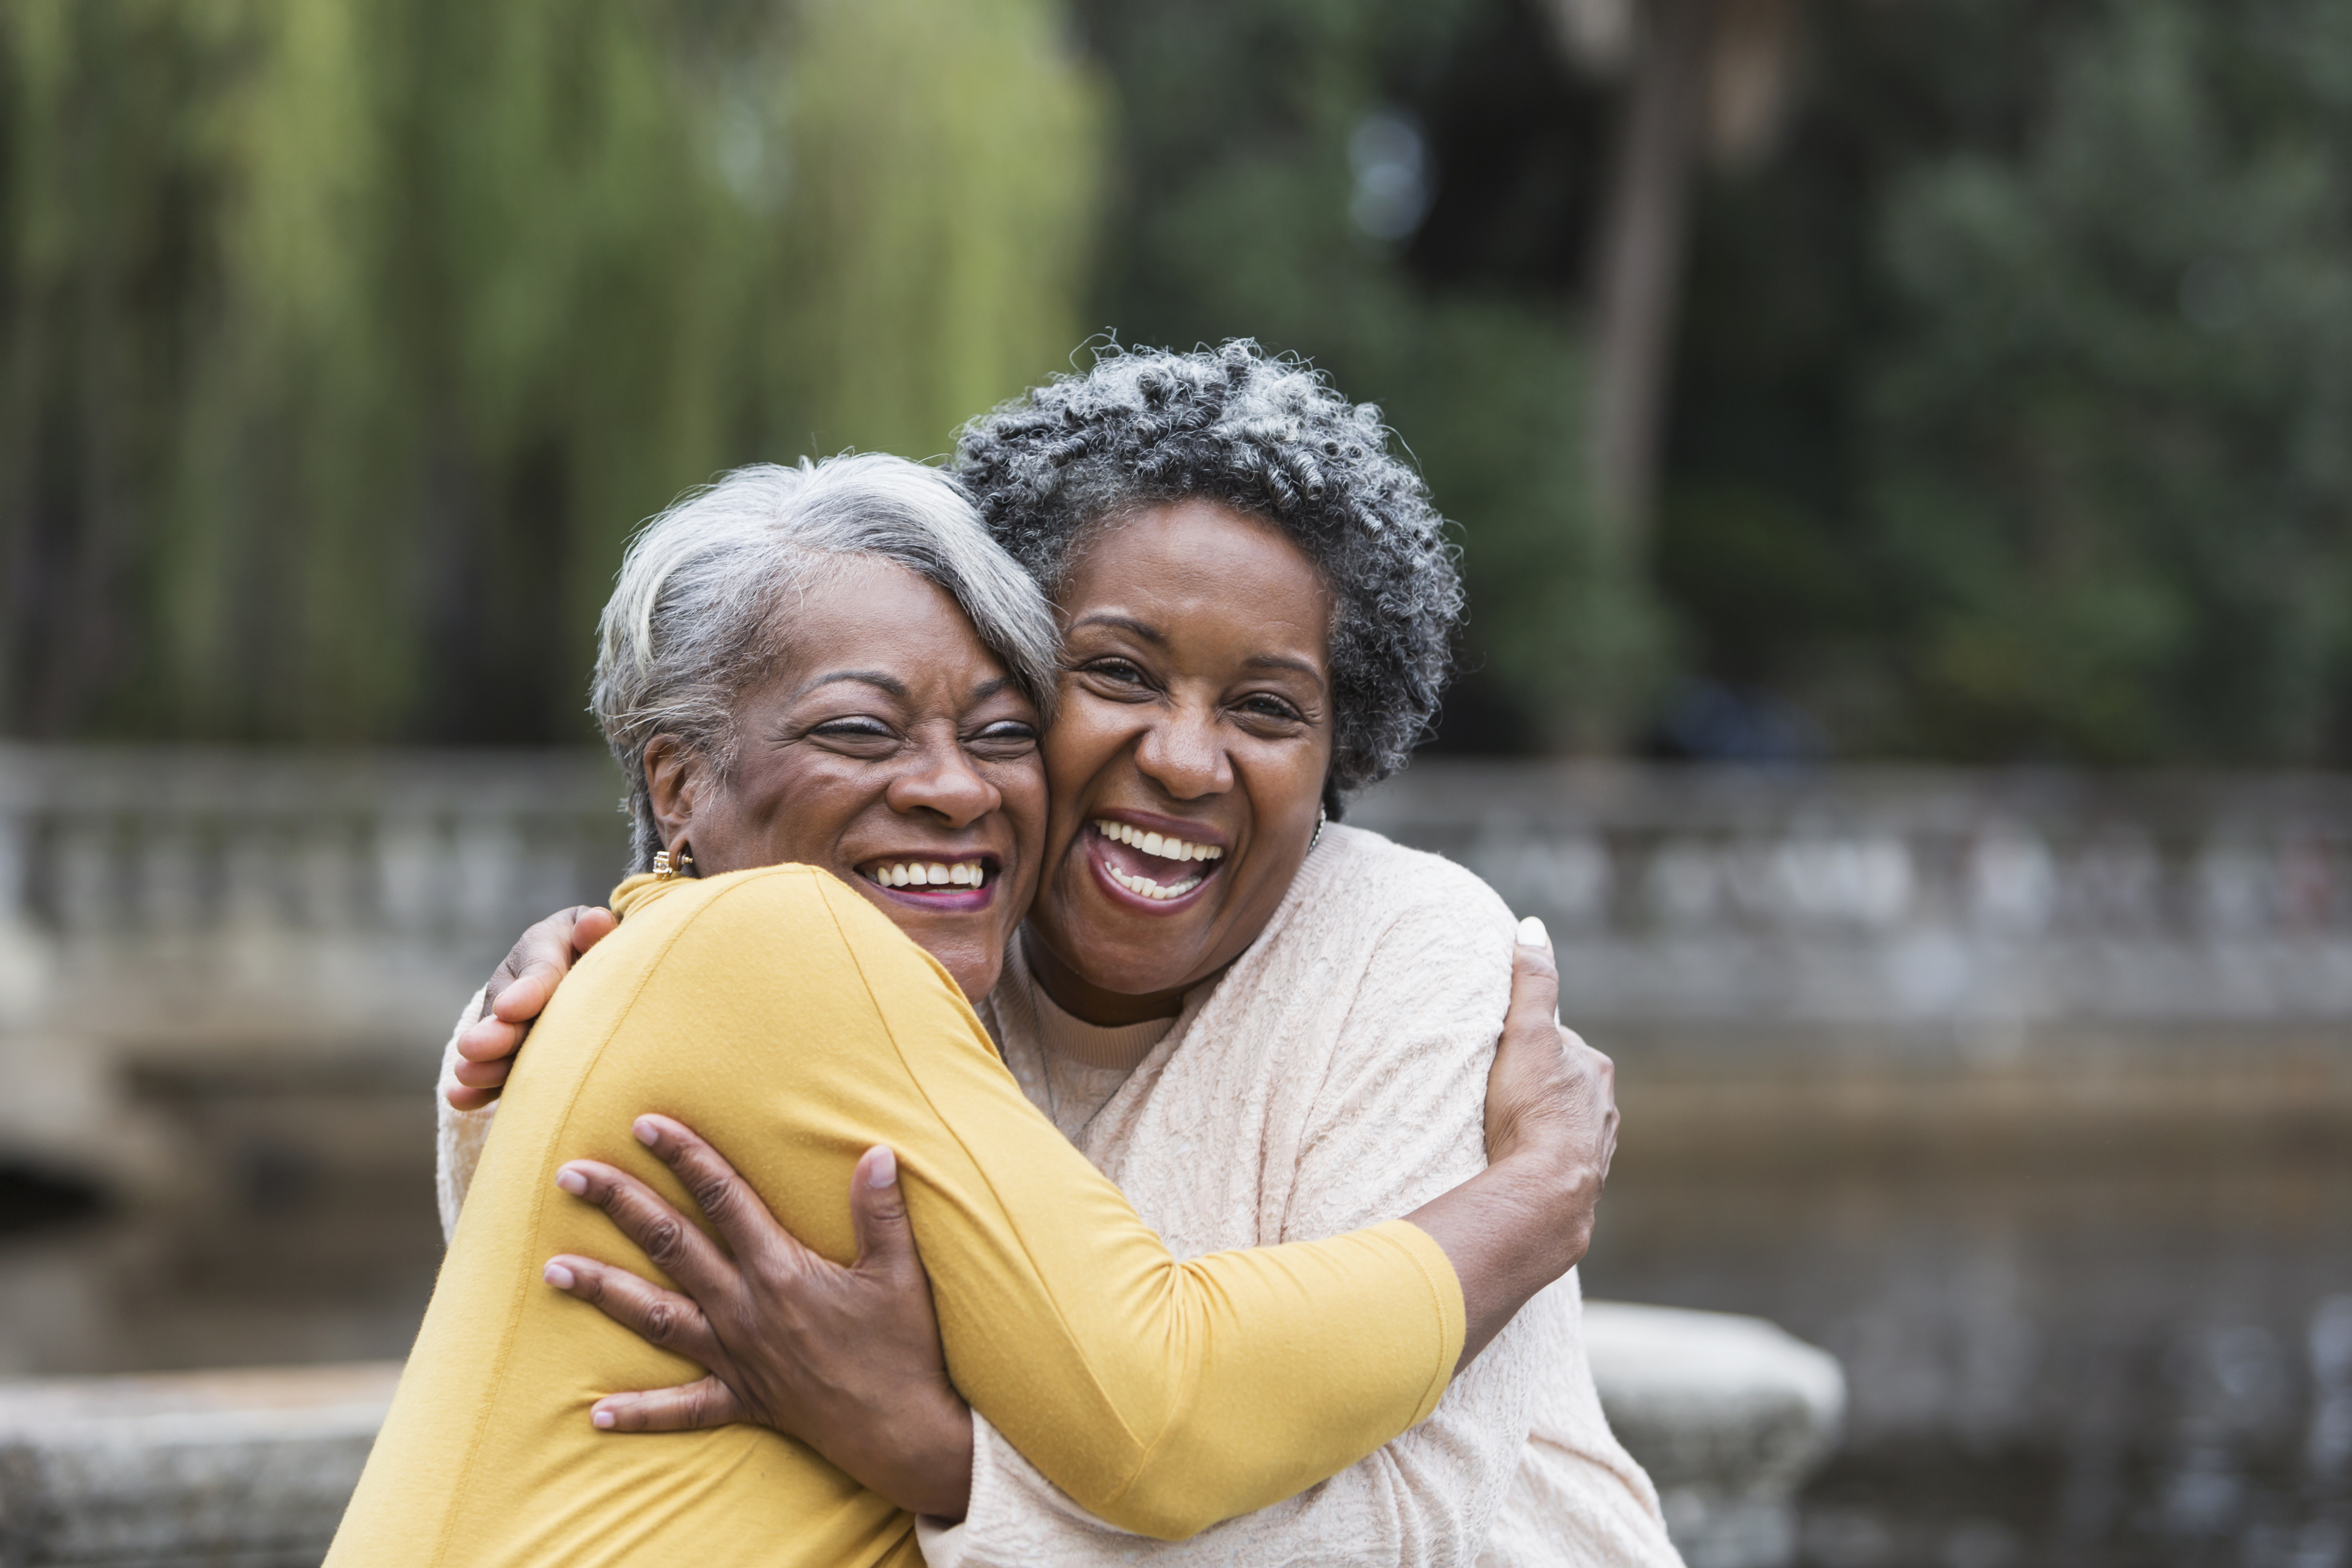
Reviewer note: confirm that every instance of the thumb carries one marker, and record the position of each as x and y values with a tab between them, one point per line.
1535	977
877	1213
593	927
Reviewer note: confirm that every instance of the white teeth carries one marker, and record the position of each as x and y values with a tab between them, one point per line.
1164	847
1150	888
929	874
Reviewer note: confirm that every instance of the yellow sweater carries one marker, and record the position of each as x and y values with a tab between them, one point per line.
785	1018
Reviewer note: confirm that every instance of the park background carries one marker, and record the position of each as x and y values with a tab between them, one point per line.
1928	413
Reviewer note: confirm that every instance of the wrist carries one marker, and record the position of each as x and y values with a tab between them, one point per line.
922	1461
1556	1188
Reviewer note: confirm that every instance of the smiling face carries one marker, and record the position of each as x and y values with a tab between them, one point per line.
1188	760
891	748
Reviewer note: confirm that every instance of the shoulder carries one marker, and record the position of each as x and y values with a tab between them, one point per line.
775	914
1385	893
1427	945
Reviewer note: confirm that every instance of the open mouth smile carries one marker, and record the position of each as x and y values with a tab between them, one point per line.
1159	870
944	882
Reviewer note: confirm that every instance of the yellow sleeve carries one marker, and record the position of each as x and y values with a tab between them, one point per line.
1163	1396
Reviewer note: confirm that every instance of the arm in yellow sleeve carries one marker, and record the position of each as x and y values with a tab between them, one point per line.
789	1021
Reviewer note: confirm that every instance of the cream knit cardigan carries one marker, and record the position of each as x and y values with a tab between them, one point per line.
1334	1077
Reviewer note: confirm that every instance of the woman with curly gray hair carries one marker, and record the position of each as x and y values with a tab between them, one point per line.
1263	1025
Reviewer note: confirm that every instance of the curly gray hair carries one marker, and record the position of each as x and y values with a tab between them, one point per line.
703	604
1269	438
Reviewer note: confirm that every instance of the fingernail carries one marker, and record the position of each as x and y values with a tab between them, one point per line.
645	1131
1532	932
884	1168
557	1275
572	1181
602	1417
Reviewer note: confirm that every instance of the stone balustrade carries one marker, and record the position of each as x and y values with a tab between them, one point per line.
165	892
1900	898
292	913
253	1467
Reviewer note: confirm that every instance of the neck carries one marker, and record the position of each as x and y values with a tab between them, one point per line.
1090	1003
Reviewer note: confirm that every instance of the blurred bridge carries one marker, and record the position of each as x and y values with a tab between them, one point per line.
200	917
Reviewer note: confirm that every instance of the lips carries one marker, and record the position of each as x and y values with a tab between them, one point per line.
1155	868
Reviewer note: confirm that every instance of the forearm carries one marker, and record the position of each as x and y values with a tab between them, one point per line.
1510	1231
459	1135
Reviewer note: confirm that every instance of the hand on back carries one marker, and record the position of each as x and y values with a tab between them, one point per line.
1549	1095
518	991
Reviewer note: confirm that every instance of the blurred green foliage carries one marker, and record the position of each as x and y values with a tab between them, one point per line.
342	342
2016	415
1233	218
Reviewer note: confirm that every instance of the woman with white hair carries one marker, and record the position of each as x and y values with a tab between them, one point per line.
1266	1026
814	679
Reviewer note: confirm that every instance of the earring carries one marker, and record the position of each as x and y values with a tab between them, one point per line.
663	868
1319	831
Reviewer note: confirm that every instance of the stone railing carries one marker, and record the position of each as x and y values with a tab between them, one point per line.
1894	898
298	912
1729	1415
179	893
172	894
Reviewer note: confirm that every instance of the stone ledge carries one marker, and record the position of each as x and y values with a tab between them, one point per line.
225	1470
251	1468
1728	1414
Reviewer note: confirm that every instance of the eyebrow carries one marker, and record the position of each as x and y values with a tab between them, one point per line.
895	687
876	678
1143	629
1279	661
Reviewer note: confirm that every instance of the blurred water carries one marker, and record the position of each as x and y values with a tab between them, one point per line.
2127	1360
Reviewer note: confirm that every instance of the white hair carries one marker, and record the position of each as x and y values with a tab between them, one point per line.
702	605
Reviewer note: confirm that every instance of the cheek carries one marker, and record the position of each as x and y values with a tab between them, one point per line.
1088	732
803	809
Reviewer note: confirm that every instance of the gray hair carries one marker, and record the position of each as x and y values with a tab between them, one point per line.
701	607
1271	439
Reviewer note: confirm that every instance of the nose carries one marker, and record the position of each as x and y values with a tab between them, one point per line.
941	780
1180	752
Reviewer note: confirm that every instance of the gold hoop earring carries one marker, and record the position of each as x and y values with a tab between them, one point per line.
1311	843
665	868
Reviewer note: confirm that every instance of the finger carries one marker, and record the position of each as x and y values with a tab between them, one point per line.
741	1217
592	926
689	1407
671	1245
538	962
463	1099
878	1214
488	1039
661	1318
482	1075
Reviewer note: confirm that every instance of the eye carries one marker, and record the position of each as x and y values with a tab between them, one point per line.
861	727
1004	738
1118	669
1266	705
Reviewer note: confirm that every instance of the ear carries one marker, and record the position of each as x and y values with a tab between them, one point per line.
675	778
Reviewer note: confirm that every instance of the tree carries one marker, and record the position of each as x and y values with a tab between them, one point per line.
343	341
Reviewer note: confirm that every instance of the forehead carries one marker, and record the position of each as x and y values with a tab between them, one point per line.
874	615
1195	560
